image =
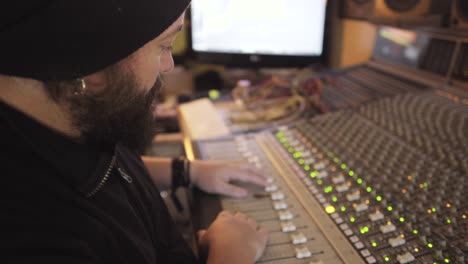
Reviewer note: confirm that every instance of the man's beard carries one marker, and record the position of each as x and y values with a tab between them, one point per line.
120	113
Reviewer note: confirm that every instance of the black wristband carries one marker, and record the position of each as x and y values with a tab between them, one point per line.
180	172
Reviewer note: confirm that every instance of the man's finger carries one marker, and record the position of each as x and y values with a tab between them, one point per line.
232	190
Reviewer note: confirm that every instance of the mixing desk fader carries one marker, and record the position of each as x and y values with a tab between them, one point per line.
385	183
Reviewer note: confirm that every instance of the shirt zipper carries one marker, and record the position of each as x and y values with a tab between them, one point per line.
107	175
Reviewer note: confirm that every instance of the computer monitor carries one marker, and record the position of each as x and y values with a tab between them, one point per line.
259	33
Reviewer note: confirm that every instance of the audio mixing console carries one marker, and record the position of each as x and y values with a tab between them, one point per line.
383	183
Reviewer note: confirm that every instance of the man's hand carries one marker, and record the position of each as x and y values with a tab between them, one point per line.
216	176
233	238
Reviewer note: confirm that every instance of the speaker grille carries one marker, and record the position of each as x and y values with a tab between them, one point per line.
461	67
401	5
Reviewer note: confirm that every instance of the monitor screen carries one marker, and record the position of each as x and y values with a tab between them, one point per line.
258	31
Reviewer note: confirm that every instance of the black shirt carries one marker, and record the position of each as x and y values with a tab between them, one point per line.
65	202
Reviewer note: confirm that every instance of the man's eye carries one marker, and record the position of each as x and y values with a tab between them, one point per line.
167	48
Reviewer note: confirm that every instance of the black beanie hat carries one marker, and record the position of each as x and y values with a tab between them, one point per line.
66	39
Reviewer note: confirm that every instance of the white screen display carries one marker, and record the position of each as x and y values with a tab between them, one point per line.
267	27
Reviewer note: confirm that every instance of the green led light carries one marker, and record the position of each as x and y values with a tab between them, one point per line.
434	209
301	162
369	189
359	181
286	144
351	173
415	231
336	160
290	149
430	245
343	166
352	219
374	244
335	199
319	182
307	167
378	198
402	219
390	208
364	230
447	260
343	209
387	258
297	154
449	221
282	140
314	174
279	134
426	185
328	189
330	209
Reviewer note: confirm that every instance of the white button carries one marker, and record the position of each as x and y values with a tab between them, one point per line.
389	227
288	227
298	239
306	154
322	174
354	239
376	216
405	258
353	196
359	245
338	179
277	196
285	215
371	260
365	253
339	220
271	188
280	205
361	207
397	241
344	226
319	166
270	180
348	232
303	253
309	161
342	188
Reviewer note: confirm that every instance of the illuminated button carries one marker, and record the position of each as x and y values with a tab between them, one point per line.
280	205
342	188
405	258
396	241
319	166
389	227
361	207
353	196
303	252
338	179
285	215
277	196
316	262
298	239
271	188
376	216
322	174
288	227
